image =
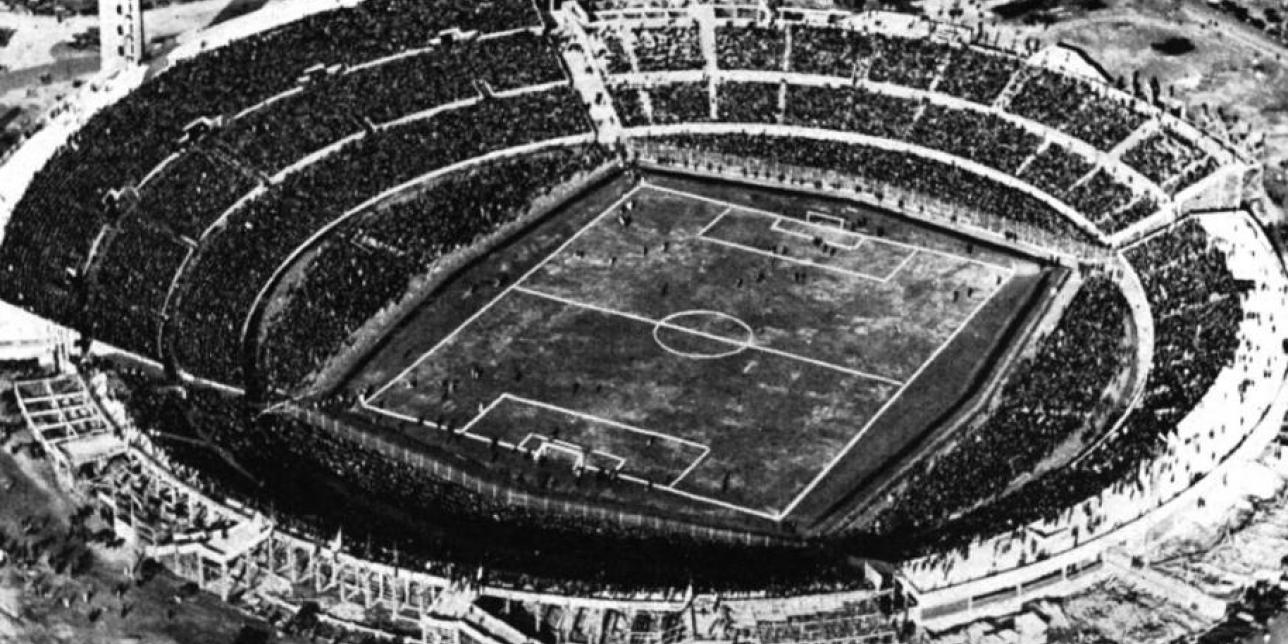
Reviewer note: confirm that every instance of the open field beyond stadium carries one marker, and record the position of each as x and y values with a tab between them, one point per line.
719	352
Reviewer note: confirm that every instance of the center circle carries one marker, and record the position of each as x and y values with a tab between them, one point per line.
701	334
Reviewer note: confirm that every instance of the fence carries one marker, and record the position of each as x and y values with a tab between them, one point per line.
518	498
1029	239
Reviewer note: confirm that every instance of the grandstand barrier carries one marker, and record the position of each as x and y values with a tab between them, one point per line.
1082	563
481	486
938	212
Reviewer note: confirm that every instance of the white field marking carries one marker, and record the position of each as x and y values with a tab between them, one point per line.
824	229
692	466
901	266
738	347
880	240
698	460
523	444
620	462
710	336
500	296
833	220
363	401
429	423
635	479
578	455
714	222
724	504
881	411
392	414
794	260
542	440
603	421
479	416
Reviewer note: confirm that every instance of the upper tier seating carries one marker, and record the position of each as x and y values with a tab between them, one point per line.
52	229
896	169
368	265
750	47
390	511
333	108
1197	308
1077	108
232	267
1054	396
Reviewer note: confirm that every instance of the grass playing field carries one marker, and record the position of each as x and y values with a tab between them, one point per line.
717	351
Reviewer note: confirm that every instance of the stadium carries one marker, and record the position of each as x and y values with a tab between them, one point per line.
640	322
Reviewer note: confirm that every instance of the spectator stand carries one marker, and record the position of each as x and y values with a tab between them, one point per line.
233	551
655	13
887	144
589	76
912	203
556	107
194	536
245	556
62	122
1204	452
215	228
1119	171
323	231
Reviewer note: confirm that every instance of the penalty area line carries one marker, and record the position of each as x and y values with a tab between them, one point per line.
669	488
603	421
854	440
792	260
875	240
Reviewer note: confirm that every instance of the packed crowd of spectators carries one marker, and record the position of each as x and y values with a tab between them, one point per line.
850	109
670	48
921	63
1162	155
750	47
908	62
981	137
1142	207
128	287
333	107
1197	307
1076	107
1054	170
748	102
367	266
984	138
53	227
828	52
680	103
629	103
618	59
235	262
1107	203
1049	398
391	511
1191	175
901	170
202	432
1099	197
191	192
976	76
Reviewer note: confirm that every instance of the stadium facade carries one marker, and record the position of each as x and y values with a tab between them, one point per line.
181	254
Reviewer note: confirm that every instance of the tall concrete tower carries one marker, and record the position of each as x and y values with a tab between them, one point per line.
121	40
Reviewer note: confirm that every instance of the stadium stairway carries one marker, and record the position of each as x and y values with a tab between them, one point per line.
588	76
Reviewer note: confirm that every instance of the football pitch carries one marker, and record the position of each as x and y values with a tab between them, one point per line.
715	351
